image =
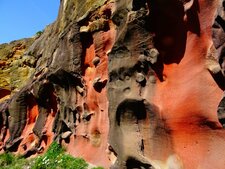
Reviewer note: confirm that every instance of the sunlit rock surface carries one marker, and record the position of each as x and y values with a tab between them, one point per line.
124	84
15	67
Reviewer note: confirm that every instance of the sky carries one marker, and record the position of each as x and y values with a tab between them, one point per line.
23	18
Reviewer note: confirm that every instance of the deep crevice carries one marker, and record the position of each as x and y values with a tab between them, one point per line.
86	40
132	163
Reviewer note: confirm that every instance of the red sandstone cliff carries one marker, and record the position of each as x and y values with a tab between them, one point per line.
126	84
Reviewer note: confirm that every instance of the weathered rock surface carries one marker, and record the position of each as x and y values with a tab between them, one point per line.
15	67
124	84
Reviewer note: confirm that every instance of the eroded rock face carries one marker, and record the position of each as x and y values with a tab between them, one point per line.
125	84
15	67
218	44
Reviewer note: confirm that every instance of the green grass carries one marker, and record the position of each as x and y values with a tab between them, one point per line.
9	161
54	158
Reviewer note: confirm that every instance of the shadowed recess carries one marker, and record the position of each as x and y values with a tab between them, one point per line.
135	108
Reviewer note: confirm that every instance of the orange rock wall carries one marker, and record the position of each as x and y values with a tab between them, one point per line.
182	131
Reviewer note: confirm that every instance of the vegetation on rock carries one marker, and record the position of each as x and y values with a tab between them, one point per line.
15	66
54	158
